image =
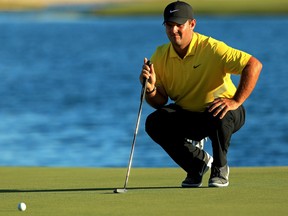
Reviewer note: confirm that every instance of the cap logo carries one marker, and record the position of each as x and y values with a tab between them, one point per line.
173	11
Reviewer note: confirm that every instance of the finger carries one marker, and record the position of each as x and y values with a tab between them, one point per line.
223	113
217	100
216	112
152	68
215	106
146	74
218	109
146	67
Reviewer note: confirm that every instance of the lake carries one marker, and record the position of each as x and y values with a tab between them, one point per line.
70	90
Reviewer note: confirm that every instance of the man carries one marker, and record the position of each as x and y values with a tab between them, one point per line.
194	71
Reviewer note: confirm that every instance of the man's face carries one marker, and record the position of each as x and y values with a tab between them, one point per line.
180	35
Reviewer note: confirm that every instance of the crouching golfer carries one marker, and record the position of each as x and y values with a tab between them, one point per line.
194	70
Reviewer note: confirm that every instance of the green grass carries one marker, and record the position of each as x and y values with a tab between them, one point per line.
151	191
156	7
20	5
219	7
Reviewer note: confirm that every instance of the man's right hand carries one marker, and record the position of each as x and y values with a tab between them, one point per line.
148	73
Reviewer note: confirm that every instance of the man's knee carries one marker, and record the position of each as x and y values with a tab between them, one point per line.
157	126
153	123
149	124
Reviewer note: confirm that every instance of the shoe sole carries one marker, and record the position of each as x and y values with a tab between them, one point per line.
218	185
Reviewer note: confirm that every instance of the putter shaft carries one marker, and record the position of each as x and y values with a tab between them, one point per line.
143	91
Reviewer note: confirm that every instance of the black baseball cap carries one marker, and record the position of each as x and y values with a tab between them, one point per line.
178	12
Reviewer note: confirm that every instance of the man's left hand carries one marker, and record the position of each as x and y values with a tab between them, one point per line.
220	106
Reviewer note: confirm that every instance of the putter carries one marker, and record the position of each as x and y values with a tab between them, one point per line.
143	91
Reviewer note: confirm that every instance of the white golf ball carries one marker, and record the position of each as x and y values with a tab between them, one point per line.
22	206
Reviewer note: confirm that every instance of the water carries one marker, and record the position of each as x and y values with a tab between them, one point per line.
70	91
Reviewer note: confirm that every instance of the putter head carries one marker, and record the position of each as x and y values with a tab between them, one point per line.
120	190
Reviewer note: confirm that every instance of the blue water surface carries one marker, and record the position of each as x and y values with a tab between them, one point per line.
70	91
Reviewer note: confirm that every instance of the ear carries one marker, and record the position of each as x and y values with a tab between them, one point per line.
193	24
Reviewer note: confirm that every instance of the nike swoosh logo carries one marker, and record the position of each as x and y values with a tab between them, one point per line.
196	66
201	173
173	11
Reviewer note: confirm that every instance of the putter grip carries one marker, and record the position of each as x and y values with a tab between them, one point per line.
145	80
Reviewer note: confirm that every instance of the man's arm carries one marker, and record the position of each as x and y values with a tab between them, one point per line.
248	80
157	98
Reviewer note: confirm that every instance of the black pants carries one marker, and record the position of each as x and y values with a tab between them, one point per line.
171	125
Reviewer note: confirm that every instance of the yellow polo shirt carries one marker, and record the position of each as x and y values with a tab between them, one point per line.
202	75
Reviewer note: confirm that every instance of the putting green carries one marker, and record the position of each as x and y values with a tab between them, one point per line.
151	191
